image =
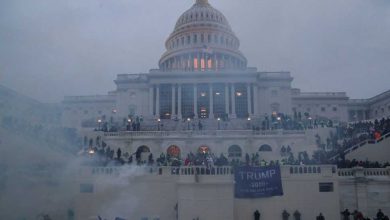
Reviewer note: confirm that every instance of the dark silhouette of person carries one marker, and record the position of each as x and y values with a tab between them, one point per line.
247	159
297	215
346	214
320	217
355	214
285	215
380	215
119	153
200	126
257	215
138	155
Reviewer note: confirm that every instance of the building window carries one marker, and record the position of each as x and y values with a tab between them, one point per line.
173	151
219	100
86	188
326	187
323	109
187	101
241	101
165	101
335	109
234	151
265	147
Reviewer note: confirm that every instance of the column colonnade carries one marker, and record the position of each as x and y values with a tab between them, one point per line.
176	100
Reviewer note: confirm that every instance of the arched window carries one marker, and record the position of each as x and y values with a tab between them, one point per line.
265	147
173	151
142	153
204	149
234	151
143	149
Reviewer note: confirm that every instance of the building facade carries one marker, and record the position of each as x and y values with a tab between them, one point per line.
204	78
204	75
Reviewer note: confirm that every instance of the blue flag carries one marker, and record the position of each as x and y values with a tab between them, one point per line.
257	182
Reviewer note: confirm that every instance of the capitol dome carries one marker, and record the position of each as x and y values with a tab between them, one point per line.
202	41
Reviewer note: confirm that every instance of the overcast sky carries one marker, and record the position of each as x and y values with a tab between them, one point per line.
49	49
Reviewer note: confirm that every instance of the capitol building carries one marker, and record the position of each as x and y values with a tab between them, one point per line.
203	98
204	75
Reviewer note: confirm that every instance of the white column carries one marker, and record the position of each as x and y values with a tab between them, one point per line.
211	104
173	113
249	98
151	96
196	100
158	101
214	63
179	116
199	66
192	62
233	97
255	100
227	98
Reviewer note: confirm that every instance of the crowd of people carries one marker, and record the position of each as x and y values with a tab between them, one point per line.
344	137
352	134
271	122
364	164
357	215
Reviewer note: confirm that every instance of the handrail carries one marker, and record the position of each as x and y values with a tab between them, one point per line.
200	133
361	144
361	172
229	170
213	170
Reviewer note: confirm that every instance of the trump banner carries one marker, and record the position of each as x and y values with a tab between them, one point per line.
257	182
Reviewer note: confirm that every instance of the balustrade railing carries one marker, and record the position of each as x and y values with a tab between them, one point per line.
363	172
216	170
201	133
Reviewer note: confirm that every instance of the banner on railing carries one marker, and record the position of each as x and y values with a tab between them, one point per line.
257	182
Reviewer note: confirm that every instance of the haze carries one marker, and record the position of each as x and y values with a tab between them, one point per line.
49	49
